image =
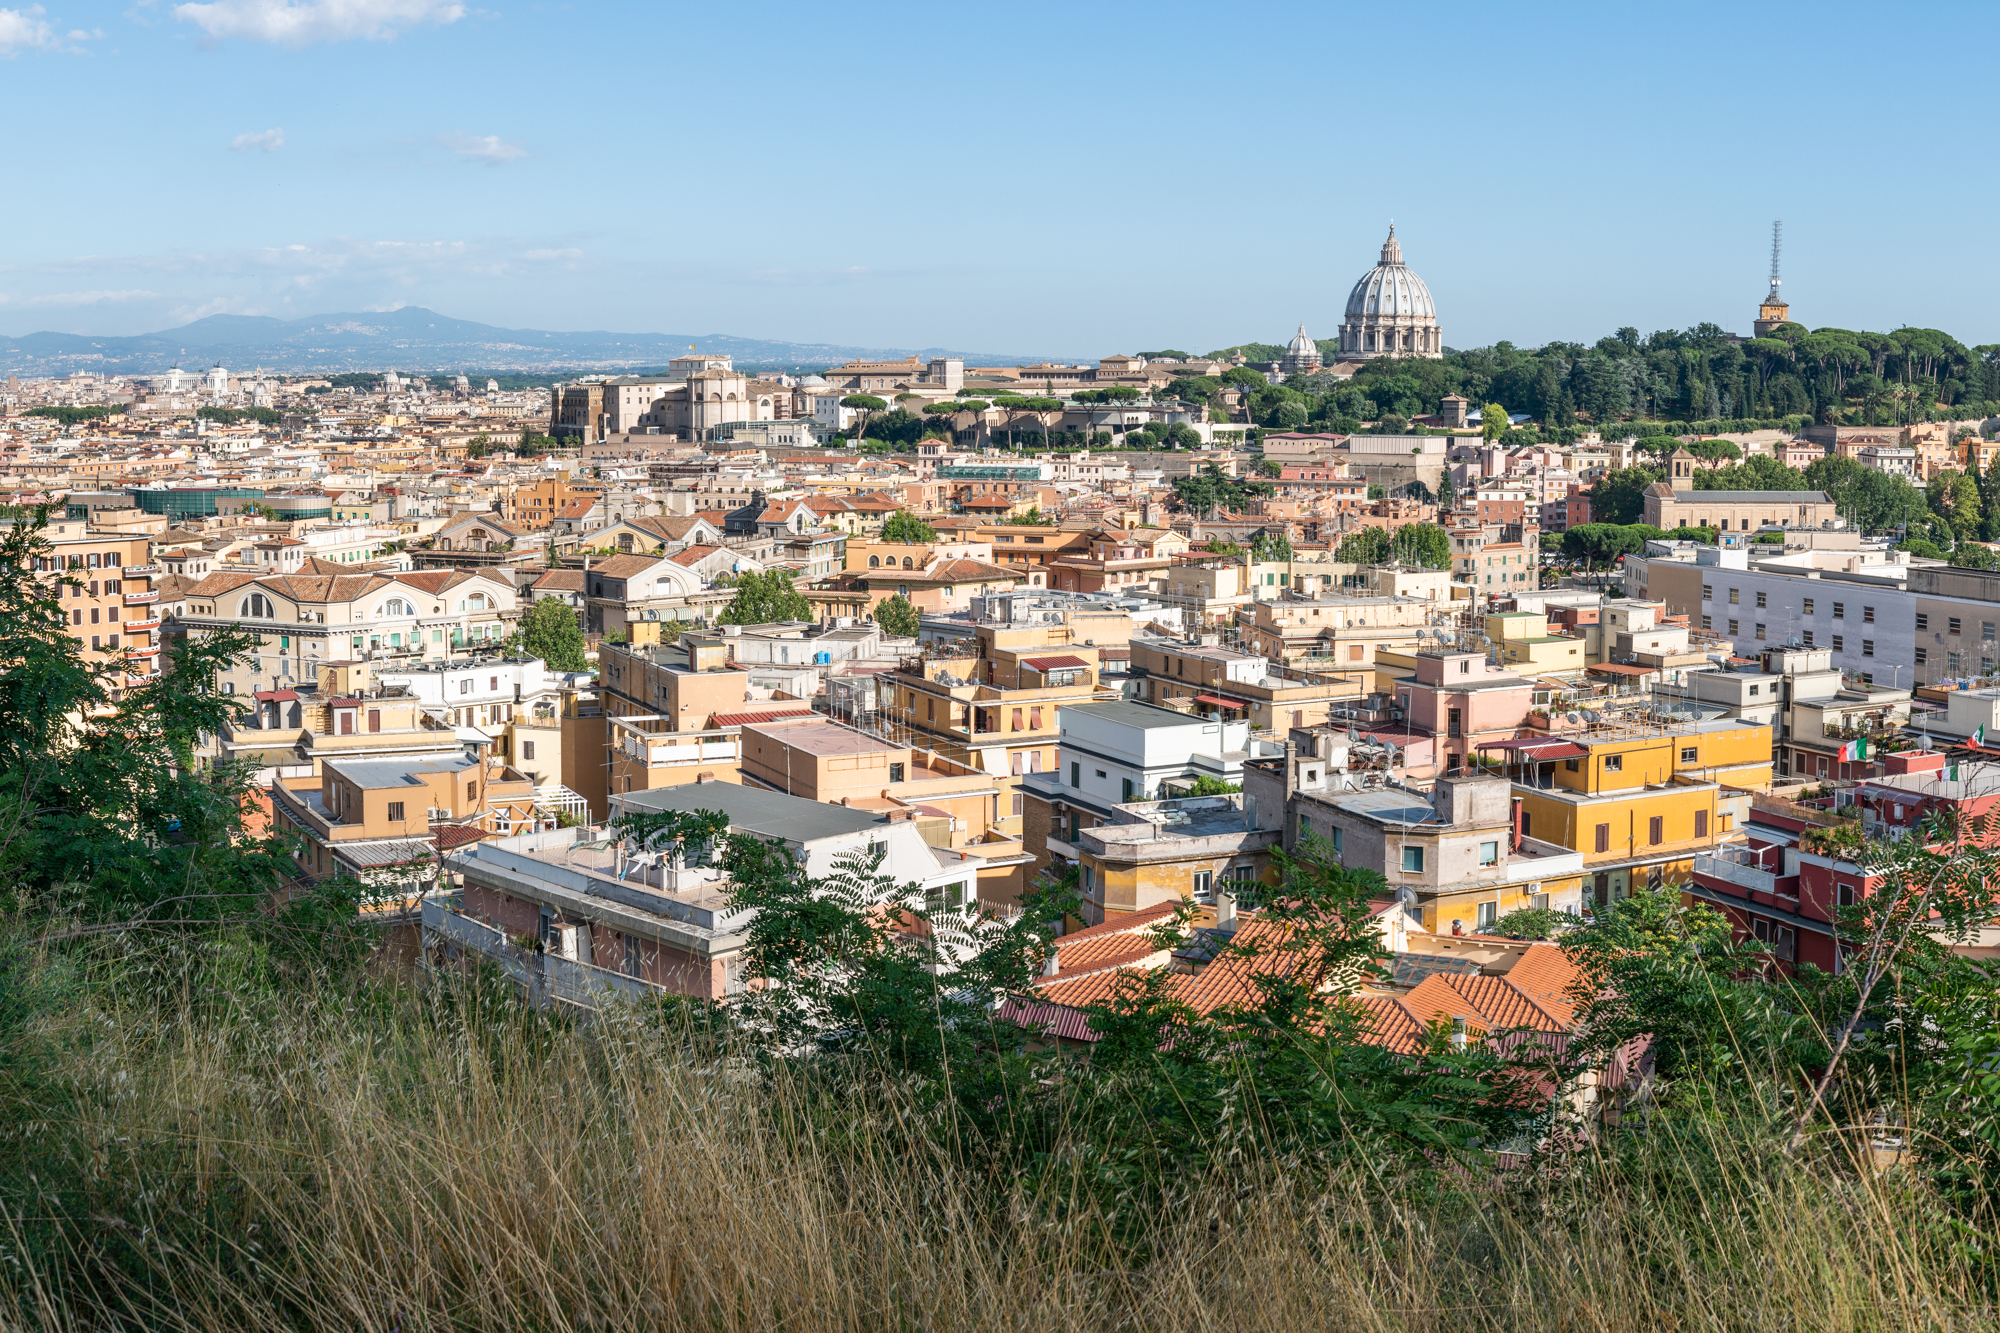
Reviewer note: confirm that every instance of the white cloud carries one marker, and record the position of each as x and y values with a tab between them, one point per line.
24	30
270	141
76	298
487	148
303	22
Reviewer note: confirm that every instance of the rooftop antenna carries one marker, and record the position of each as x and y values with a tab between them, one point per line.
1777	237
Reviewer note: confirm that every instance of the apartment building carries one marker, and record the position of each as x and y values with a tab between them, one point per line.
1856	605
1110	754
614	919
1463	701
303	620
1639	804
383	819
1340	629
1456	858
106	584
1209	680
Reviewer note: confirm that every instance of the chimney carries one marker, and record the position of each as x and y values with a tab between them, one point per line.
1053	963
704	777
1291	770
1225	912
1516	846
1458	1031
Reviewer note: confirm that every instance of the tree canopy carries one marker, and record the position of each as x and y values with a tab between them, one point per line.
904	526
895	614
762	599
549	631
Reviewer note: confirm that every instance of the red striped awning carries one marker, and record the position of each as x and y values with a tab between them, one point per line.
1218	699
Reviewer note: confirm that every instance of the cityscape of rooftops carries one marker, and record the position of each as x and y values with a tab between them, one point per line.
1210	701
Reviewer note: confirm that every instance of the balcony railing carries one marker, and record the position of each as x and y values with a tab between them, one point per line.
1725	867
141	598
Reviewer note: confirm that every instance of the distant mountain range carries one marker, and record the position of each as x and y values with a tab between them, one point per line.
414	339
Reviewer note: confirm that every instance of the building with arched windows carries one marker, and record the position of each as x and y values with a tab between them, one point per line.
1390	312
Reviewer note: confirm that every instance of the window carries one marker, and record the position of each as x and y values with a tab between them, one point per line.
1708	622
1614	763
1807	637
1076	775
1923	656
1839	643
1986	629
1868	615
1125	787
1452	720
1809	606
1840	610
1603	837
1846	895
1734	597
1952	625
1708	592
527	749
1204	880
1761	599
1868	647
895	772
1488	914
395	812
1923	620
465	686
1760	631
1733	631
1701	823
1017	804
1337	840
1569	765
1690	754
471	791
374	719
1489	853
1413	860
1656	830
1753	691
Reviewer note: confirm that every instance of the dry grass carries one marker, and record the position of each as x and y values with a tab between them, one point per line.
397	1168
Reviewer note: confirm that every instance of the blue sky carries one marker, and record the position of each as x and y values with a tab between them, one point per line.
1032	178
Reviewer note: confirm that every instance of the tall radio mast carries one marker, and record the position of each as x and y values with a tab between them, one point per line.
1777	236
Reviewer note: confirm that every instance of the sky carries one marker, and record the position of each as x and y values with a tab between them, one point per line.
1050	179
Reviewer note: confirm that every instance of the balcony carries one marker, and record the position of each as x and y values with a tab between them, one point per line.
1735	868
141	598
143	626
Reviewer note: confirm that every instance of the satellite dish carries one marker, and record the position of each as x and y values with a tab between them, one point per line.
1572	718
1353	735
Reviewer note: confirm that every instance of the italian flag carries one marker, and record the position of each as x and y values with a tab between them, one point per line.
1854	750
1979	735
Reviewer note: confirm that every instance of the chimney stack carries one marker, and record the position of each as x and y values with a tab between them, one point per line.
1225	912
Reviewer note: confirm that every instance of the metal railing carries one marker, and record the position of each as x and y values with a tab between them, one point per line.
544	977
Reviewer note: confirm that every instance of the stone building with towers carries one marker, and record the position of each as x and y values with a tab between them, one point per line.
1390	312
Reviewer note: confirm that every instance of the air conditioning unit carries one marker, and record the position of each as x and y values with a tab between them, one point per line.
437	812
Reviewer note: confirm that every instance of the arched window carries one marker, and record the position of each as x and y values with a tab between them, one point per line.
907	564
874	562
395	606
254	607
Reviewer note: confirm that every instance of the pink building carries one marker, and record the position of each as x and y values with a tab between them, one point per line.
1462	701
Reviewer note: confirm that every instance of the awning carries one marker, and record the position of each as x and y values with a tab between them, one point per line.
1219	701
277	696
1621	669
1535	750
1046	664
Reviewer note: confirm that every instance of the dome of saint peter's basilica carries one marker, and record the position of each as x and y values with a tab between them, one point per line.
1390	312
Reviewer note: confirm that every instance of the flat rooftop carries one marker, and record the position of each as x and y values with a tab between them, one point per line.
370	774
754	810
819	737
1142	716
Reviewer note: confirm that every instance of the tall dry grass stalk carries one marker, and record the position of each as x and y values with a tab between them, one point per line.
403	1165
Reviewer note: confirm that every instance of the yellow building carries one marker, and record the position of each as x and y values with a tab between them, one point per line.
1639	805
